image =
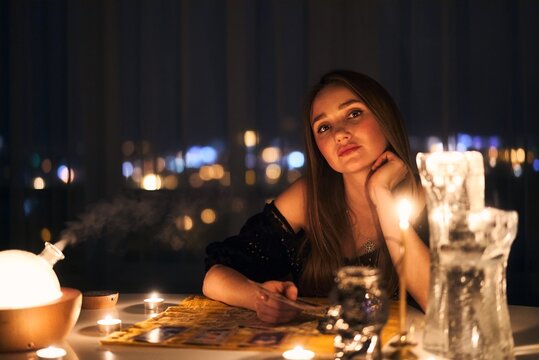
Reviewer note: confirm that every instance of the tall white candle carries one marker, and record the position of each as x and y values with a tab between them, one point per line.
405	210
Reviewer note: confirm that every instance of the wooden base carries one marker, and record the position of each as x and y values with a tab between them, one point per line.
39	326
99	299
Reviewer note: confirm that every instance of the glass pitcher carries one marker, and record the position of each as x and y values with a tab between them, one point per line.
467	315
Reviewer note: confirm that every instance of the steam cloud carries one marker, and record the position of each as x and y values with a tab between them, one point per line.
159	216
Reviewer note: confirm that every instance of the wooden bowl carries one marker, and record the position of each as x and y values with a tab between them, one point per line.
100	299
39	326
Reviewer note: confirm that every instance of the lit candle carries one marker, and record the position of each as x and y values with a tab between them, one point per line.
298	353
51	352
405	210
108	324
153	303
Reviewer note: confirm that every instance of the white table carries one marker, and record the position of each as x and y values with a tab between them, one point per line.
83	341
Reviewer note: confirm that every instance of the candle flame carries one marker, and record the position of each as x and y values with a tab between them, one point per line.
298	353
51	352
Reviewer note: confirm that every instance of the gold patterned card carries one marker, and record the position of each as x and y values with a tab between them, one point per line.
198	322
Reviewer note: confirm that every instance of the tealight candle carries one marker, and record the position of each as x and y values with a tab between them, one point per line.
51	352
153	303
298	353
108	325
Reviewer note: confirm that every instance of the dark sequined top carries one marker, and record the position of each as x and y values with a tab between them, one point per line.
267	248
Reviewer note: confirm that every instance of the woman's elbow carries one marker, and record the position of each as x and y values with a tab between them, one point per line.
208	284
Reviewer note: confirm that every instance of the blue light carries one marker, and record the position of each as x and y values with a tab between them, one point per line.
193	157
477	142
494	141
250	160
62	169
517	170
295	160
180	164
208	154
127	169
27	206
536	165
170	163
464	141
197	156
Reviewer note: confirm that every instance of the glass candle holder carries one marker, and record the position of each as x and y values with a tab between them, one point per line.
362	311
109	325
153	303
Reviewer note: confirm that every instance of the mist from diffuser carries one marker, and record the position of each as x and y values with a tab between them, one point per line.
30	279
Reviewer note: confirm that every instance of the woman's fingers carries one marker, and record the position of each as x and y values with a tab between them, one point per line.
388	170
386	156
290	290
380	160
272	310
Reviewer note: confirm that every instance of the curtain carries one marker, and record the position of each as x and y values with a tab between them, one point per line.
95	95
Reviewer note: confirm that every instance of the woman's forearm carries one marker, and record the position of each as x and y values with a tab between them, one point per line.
225	284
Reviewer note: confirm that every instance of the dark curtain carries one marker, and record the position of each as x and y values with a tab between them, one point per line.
92	84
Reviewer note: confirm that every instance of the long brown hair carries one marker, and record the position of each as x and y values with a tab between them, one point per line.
327	220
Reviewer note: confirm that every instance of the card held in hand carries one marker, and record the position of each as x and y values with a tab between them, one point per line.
298	303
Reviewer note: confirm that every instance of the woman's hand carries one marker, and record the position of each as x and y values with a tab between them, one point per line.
387	172
273	311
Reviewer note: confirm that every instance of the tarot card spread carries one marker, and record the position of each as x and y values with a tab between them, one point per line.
198	322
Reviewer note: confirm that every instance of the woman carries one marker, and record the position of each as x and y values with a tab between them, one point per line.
342	212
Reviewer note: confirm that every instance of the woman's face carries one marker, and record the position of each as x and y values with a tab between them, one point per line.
345	130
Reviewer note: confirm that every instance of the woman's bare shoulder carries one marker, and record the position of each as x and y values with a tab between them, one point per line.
291	203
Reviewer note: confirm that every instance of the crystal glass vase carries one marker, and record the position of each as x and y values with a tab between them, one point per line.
467	315
359	313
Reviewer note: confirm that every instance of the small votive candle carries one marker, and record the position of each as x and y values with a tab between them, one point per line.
109	325
298	353
153	303
51	352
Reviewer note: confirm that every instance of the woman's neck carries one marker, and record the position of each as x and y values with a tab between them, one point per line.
355	190
362	216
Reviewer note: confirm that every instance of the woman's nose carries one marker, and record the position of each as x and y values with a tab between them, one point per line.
341	134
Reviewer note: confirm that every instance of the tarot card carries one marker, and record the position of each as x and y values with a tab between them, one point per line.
298	303
210	337
159	334
270	338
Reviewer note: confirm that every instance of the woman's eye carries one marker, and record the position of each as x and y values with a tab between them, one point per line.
355	114
322	128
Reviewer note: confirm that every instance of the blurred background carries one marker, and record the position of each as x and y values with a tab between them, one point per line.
148	129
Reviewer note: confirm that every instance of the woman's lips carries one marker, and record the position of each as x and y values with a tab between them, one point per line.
347	150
